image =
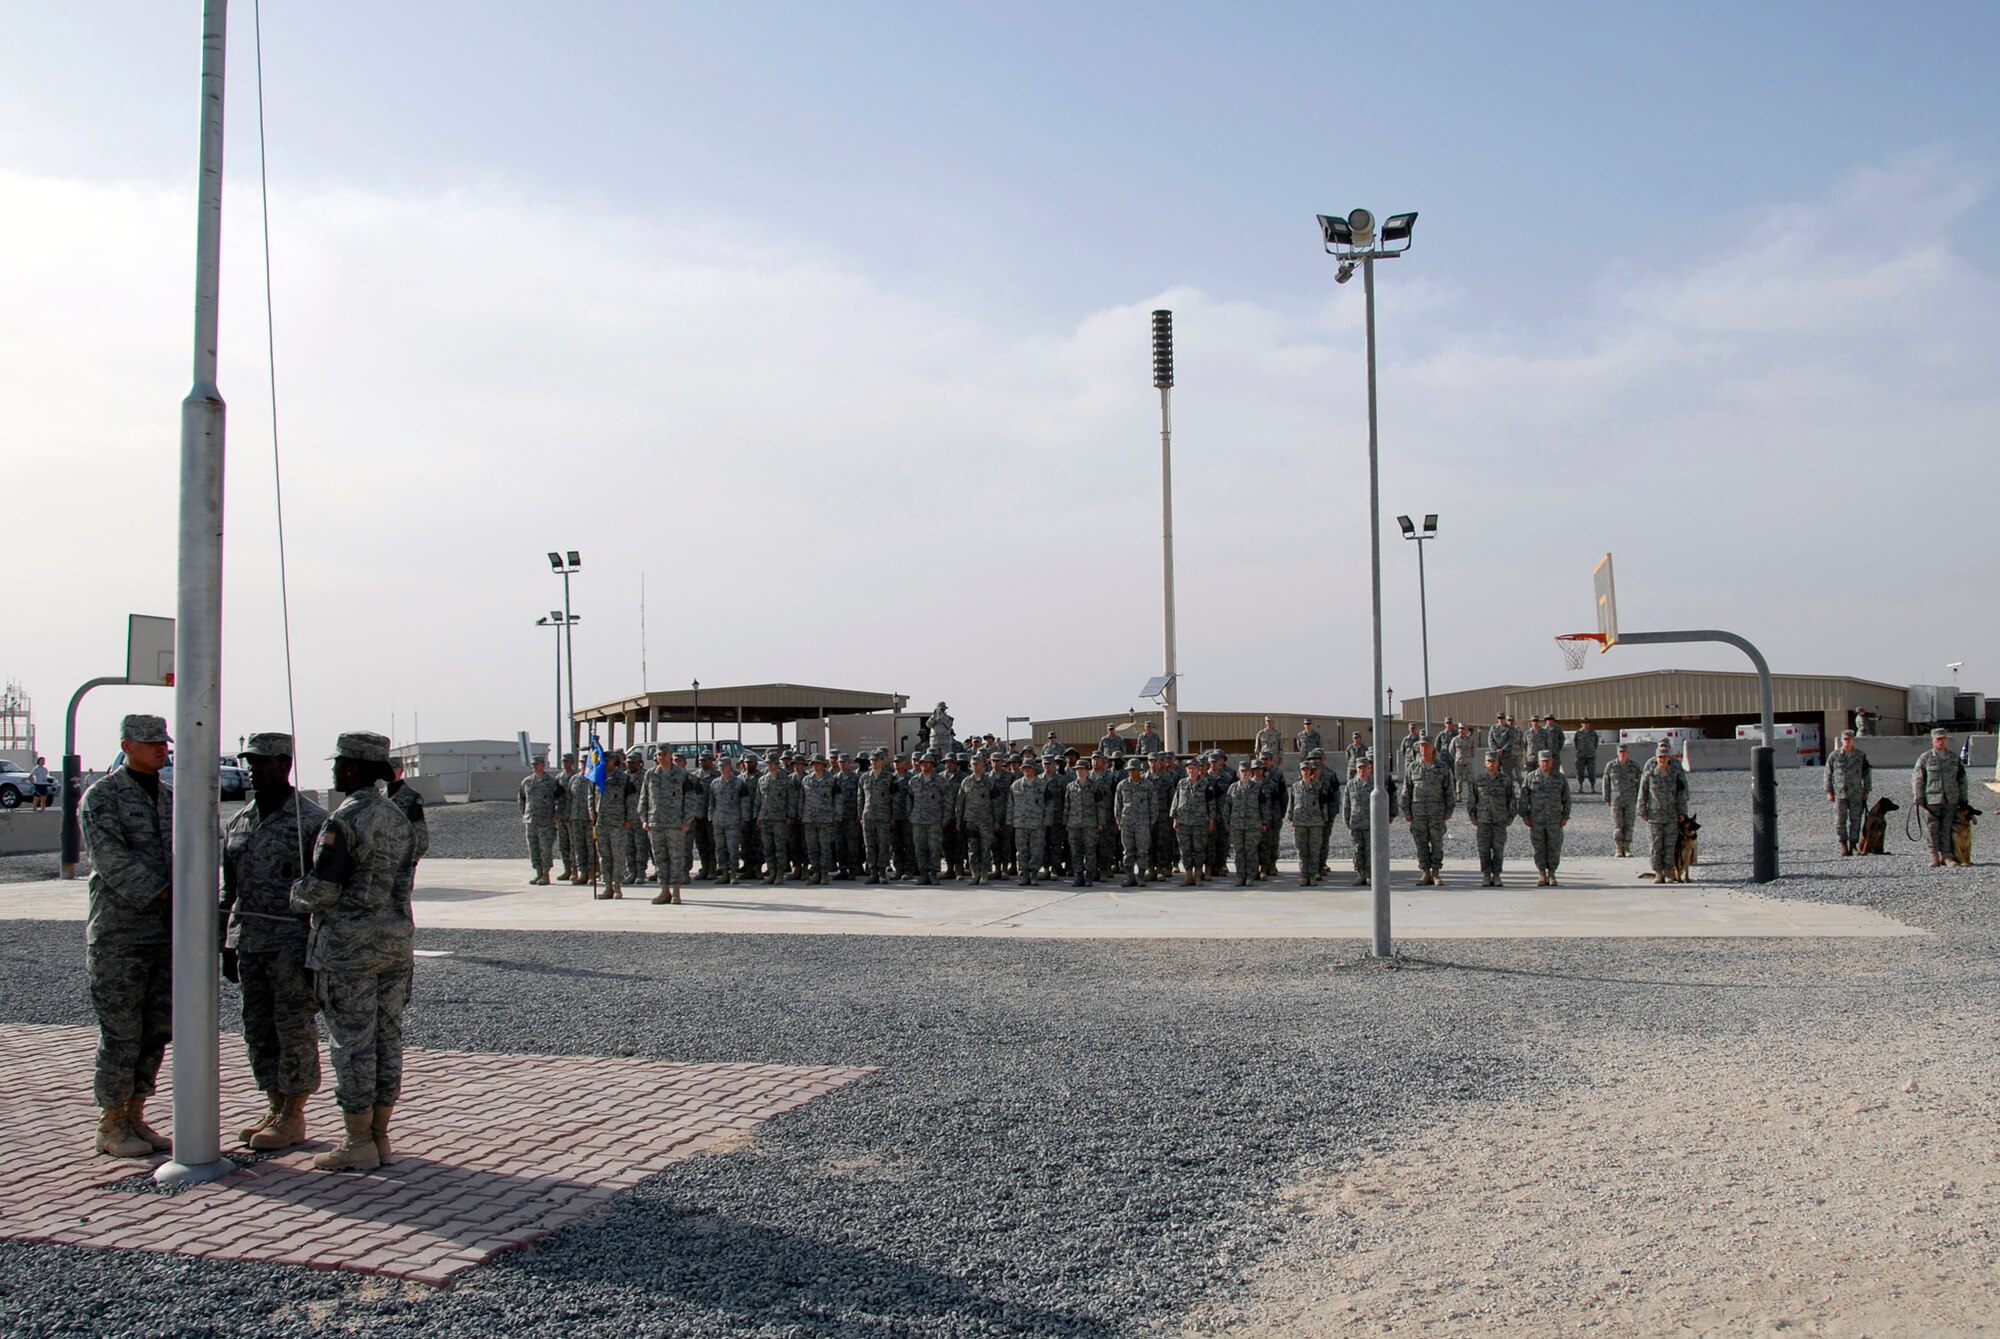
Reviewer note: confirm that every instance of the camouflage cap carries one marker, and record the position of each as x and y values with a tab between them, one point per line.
569	757
271	744
1545	756
1664	750
362	746
928	755
663	751
818	761
1937	732
143	729
614	755
1493	755
1133	764
1847	734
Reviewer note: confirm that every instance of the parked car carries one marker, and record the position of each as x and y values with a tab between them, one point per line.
17	783
234	777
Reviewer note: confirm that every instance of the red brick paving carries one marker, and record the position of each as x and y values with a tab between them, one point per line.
492	1151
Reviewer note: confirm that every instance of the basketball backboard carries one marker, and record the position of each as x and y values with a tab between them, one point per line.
1607	604
149	651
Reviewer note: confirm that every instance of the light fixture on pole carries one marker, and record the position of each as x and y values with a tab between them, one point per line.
1429	532
1163	379
560	622
563	564
697	720
1353	239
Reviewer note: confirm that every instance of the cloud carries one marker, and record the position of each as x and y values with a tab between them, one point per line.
825	478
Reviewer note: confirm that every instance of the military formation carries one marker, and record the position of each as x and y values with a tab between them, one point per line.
316	926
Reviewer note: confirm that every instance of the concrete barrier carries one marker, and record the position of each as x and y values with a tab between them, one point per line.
493	786
24	830
1903	750
431	788
1728	755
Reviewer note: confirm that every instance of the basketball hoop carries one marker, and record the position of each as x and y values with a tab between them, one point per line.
1576	645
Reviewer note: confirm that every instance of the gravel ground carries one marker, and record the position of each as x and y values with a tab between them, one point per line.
1079	1138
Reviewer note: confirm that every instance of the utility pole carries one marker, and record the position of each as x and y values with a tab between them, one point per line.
1163	378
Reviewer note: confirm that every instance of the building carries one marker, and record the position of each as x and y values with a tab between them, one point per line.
709	713
1231	731
448	765
1713	701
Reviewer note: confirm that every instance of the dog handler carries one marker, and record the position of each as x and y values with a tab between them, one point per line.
1663	800
1937	784
1848	781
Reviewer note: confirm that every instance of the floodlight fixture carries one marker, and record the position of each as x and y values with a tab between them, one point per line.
1344	273
1361	224
1409	526
1397	228
555	562
1335	231
1430	523
574	561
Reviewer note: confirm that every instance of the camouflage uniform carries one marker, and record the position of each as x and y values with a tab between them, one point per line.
128	829
1621	794
260	863
1110	844
1584	741
1309	817
1848	781
411	805
540	796
1430	795
728	808
358	892
565	840
1133	804
1193	818
1270	741
1149	742
1663	798
638	850
774	819
1491	801
951	778
1505	740
667	803
581	793
1165	852
1409	752
1220	778
847	819
611	810
1937	786
1110	744
703	831
878	819
1356	811
1545	805
1027	810
1246	825
1081	816
1356	751
1464	756
976	808
1306	741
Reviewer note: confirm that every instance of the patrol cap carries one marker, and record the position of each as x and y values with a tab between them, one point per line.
361	746
928	755
664	751
1847	734
569	757
143	729
1499	715
1937	732
1031	761
818	761
1624	748
270	744
1133	764
1664	750
1545	756
610	755
1317	753
840	757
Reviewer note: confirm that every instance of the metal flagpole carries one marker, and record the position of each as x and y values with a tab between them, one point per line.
198	674
1163	377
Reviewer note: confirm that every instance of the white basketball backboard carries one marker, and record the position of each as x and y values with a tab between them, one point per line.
149	651
1607	603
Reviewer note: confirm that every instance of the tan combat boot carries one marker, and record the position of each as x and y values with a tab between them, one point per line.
357	1151
135	1111
666	896
115	1136
381	1127
275	1107
287	1128
677	894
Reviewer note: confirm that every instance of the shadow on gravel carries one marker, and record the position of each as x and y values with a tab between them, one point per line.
726	1270
807	907
1682	983
424	895
550	969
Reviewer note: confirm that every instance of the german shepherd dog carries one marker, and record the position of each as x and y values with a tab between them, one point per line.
1961	834
1875	826
1684	853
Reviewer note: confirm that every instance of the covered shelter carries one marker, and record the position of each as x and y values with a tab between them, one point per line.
1230	731
723	711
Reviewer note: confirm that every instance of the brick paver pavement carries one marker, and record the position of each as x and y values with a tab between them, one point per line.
492	1151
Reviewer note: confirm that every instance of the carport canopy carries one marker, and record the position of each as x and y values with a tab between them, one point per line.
778	704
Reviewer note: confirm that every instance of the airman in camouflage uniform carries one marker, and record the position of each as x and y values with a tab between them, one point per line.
819	805
1194	819
1491	802
728	804
1307	739
265	946
1055	786
358	894
611	815
1247	818
1663	798
1585	742
878	816
404	796
638	850
1504	739
1309	819
1149	741
1221	777
1106	772
942	739
541	795
667	801
1027	809
1166	779
847	856
703	831
581	793
1464	757
1082	817
1621	796
1544	807
1271	787
1937	786
565	839
976	809
1360	795
1356	751
906	842
1269	743
1848	781
1110	743
774	808
1430	796
127	821
928	797
1133	804
952	777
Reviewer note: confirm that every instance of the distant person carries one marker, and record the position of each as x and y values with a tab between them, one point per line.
40	776
1307	739
363	937
1848	781
565	837
1149	741
1502	738
266	944
1360	798
1270	741
1491	802
1545	810
127	820
541	797
1585	743
1430	796
1663	801
1937	784
404	796
1621	796
1356	751
1051	747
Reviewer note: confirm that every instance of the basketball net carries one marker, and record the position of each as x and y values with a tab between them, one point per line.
1576	645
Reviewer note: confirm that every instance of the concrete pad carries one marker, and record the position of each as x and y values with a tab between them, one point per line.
1598	898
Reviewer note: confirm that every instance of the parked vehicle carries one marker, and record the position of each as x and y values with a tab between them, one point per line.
17	783
233	778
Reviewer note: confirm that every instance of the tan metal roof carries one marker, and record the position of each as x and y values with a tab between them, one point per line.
1204	728
1668	693
764	703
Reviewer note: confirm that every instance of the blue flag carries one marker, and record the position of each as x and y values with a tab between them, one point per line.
593	763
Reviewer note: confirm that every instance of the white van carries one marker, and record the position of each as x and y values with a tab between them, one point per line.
1644	740
1801	739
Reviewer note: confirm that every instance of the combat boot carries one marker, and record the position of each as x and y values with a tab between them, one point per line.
677	894
135	1110
264	1122
115	1136
1189	881
383	1153
357	1151
665	897
288	1128
539	880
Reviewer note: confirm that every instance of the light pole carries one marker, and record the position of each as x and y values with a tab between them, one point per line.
697	720
1353	239
1423	601
563	564
1163	378
560	622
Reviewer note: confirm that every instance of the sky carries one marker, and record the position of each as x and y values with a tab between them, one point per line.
830	325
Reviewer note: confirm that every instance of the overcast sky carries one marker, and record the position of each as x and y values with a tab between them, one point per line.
831	321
